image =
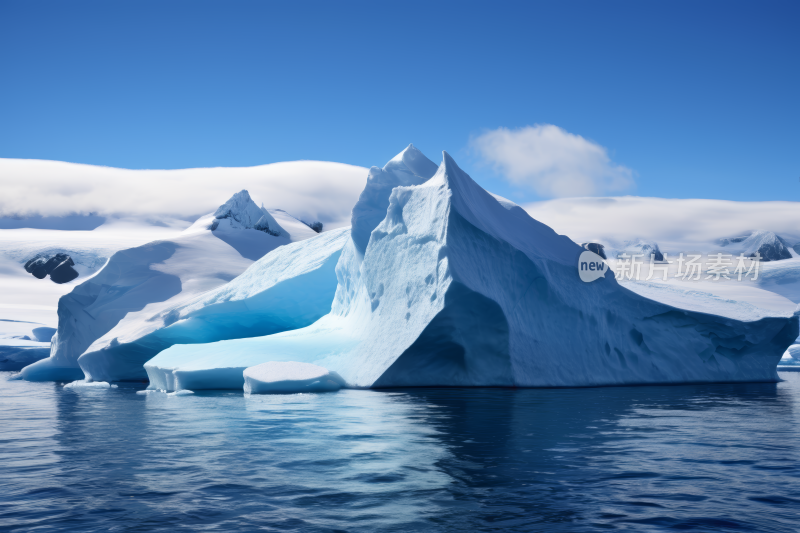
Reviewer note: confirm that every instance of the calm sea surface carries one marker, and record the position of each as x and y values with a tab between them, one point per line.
689	458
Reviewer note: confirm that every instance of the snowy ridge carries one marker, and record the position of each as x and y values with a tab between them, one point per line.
456	288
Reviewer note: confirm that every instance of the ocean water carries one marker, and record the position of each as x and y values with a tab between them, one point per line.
687	458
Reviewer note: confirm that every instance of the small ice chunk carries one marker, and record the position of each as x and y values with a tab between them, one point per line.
182	392
149	391
284	377
83	384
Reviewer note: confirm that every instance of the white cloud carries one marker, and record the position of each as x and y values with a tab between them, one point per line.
677	225
552	161
313	190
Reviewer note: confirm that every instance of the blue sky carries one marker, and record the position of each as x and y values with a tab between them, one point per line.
690	99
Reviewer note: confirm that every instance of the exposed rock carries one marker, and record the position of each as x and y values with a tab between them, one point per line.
35	266
645	248
316	226
59	267
56	261
263	224
595	247
64	272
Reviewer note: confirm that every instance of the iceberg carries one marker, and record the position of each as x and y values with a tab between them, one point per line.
15	354
289	288
290	377
105	314
444	284
23	343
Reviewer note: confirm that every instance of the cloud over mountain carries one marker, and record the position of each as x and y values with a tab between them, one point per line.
313	190
552	161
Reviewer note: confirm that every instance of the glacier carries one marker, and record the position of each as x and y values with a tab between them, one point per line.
105	314
444	284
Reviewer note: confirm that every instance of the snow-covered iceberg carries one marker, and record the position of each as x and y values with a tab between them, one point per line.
126	298
276	377
23	343
457	287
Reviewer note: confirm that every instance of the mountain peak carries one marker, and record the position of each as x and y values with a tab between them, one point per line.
243	212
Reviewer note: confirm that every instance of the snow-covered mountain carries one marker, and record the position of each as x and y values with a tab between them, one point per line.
310	190
138	283
105	210
699	227
766	244
455	287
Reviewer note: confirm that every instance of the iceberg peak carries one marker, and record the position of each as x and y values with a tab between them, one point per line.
412	161
409	167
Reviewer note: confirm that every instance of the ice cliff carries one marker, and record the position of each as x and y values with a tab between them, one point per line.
442	283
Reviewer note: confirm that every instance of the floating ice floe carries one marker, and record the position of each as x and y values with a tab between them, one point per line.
83	384
182	392
276	377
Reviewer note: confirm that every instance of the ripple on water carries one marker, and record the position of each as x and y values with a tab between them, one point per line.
694	457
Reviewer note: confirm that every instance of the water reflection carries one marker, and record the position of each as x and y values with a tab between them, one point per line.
713	457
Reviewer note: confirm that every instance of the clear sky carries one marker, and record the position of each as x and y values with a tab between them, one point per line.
652	98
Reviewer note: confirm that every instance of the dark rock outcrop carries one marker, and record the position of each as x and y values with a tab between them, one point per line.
58	267
64	272
36	267
316	226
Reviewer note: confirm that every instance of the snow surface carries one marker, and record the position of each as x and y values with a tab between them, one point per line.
290	377
139	283
454	287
